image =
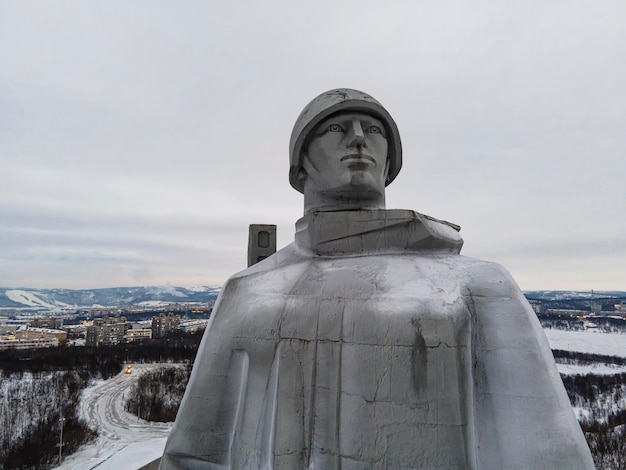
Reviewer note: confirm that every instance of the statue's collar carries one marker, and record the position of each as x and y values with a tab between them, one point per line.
350	233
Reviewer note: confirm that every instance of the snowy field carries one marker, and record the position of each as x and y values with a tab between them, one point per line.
588	341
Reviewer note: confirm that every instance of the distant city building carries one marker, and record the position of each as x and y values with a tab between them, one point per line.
6	344
45	322
106	331
41	333
193	325
135	334
164	324
202	308
11	324
567	312
94	336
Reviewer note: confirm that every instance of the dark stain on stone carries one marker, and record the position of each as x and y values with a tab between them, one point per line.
419	359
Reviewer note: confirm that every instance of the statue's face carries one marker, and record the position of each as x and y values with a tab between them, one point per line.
347	155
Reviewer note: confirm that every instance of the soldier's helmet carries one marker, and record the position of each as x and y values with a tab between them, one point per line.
331	102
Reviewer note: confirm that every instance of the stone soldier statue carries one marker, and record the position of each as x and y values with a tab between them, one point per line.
370	342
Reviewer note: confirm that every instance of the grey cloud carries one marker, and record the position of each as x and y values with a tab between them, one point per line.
157	133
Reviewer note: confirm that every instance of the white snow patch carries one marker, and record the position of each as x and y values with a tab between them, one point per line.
199	289
135	455
581	412
588	341
212	289
598	369
34	299
131	456
27	298
154	303
166	289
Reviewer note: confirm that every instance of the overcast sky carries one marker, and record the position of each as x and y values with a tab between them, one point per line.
139	139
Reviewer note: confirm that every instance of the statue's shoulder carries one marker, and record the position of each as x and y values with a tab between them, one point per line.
269	278
275	266
487	278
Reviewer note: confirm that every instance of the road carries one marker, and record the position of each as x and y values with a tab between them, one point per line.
123	438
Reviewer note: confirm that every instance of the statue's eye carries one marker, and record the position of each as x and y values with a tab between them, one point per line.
335	128
374	130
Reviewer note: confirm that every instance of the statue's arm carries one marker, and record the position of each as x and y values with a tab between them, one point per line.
522	414
201	436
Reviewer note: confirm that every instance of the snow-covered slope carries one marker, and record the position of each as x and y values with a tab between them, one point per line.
31	299
59	299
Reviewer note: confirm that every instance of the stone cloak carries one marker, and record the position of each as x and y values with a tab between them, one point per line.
371	342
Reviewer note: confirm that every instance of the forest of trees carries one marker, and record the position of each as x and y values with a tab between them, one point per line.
157	394
34	405
603	399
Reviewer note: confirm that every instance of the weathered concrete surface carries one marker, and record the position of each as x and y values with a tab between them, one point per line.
410	357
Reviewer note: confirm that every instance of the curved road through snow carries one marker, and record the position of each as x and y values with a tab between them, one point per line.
122	436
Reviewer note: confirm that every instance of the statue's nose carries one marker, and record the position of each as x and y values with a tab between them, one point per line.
355	134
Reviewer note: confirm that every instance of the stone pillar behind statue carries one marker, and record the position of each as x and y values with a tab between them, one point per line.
261	242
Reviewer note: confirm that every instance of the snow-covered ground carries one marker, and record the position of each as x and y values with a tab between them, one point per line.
125	441
588	341
595	342
598	369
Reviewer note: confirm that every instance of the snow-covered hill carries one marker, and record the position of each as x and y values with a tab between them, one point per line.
26	299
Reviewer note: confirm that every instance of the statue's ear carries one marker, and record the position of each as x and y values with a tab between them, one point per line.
301	177
302	172
387	166
307	165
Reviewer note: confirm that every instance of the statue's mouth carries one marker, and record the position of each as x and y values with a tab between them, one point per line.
358	158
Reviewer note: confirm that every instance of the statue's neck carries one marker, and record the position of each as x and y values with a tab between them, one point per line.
335	201
350	233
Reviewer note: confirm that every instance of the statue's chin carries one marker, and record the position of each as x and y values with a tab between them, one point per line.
363	185
361	179
356	182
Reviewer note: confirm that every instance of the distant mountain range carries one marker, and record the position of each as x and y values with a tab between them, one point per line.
26	299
